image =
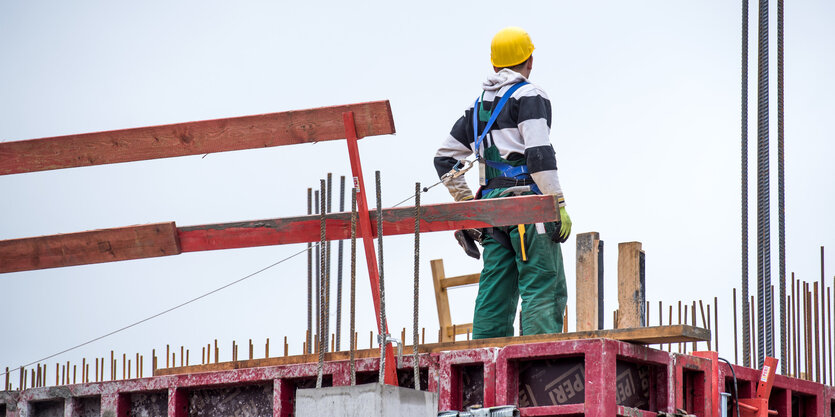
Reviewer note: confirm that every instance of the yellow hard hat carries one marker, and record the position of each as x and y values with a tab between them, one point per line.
511	46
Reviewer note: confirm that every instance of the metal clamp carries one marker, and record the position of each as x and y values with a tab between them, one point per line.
460	168
391	339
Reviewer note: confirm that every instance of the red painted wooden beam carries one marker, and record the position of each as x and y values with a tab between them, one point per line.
193	138
96	246
396	221
135	242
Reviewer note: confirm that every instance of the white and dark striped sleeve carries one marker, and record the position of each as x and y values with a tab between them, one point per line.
534	118
453	149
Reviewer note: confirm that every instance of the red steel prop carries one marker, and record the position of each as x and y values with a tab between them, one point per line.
365	231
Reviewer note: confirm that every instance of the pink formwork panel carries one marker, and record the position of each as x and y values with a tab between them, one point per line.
453	369
171	391
829	402
594	377
693	384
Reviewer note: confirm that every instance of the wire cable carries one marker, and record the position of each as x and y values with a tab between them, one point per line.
183	304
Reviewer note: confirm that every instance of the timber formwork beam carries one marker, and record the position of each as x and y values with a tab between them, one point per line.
194	138
163	239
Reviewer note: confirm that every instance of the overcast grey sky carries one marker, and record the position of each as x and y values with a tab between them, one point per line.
646	130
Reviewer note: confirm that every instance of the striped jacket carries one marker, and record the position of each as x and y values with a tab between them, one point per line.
521	130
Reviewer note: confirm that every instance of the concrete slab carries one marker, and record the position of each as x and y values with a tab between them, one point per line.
372	400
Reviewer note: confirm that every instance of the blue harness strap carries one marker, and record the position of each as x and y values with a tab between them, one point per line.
493	115
507	170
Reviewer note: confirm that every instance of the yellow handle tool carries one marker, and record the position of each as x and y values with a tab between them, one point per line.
522	241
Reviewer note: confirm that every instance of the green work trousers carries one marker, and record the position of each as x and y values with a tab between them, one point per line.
540	281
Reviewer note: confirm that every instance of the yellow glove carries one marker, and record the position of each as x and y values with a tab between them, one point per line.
565	225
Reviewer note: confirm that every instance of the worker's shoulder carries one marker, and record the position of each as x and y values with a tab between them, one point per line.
530	90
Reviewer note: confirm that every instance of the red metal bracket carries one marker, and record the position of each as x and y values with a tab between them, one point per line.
758	407
367	238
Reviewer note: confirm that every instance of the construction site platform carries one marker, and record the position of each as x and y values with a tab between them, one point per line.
545	375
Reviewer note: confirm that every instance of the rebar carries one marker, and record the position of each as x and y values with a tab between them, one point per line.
309	278
322	335
781	202
317	272
416	285
746	336
764	321
339	267
327	263
353	283
383	329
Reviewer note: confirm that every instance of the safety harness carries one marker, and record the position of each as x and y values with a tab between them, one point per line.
510	175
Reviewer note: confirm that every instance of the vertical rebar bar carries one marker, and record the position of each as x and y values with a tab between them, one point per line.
736	344
339	266
309	278
322	335
327	266
383	329
417	286
746	337
317	272
353	300
764	321
781	202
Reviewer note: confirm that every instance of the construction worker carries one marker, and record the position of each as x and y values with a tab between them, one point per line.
507	128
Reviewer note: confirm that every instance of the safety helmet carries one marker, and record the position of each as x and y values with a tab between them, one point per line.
511	46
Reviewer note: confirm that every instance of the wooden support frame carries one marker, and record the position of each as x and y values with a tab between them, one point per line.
442	282
631	286
589	282
194	138
135	242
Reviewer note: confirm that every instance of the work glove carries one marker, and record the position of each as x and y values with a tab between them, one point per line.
458	188
565	225
467	239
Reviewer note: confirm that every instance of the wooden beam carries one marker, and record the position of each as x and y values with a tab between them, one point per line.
642	335
460	280
441	298
193	138
459	329
136	242
108	245
396	221
631	286
589	288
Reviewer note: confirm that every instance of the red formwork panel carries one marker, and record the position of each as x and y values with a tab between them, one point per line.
451	387
694	384
114	395
829	402
596	361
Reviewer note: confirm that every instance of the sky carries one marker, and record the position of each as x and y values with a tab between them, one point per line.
646	128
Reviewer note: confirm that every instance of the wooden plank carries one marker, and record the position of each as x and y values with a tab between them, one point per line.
193	138
631	294
459	329
460	280
396	221
641	335
108	245
587	281
441	298
136	242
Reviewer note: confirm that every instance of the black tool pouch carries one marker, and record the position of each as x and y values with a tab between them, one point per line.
553	231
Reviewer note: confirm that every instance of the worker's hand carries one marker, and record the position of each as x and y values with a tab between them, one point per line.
458	188
565	225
